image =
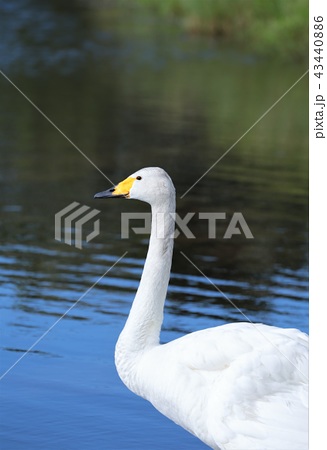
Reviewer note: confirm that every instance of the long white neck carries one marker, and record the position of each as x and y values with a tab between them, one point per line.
142	329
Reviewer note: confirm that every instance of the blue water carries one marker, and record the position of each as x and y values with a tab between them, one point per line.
65	392
128	95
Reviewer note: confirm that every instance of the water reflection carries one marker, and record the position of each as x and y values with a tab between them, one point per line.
52	36
129	94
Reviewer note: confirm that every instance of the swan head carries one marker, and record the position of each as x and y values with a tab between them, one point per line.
150	185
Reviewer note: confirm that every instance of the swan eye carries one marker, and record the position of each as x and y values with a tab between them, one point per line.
139	178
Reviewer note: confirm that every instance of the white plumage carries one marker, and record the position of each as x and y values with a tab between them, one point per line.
240	386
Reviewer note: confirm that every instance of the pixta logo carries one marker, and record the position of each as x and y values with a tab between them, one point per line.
71	220
236	225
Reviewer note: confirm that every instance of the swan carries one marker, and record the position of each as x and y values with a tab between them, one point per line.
237	386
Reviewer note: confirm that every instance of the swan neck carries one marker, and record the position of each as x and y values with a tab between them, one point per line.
142	329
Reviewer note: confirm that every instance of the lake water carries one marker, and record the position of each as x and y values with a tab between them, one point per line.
128	92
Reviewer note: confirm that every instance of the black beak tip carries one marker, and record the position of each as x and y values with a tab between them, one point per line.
105	194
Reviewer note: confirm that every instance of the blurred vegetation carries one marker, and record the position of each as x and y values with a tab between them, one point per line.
270	28
129	92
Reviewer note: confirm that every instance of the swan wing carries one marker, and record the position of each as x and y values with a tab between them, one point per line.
238	386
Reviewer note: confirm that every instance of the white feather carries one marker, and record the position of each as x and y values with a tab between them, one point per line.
240	386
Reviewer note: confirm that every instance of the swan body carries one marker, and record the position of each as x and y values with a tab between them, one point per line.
236	386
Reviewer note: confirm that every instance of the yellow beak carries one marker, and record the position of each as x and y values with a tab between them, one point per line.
121	190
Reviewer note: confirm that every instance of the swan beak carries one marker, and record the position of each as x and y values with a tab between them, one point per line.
121	190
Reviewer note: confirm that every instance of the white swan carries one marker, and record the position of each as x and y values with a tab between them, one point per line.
236	386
